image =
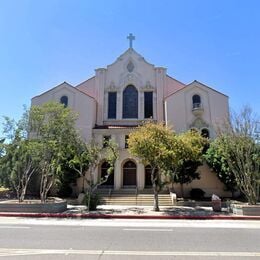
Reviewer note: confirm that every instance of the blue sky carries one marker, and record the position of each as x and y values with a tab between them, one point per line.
44	43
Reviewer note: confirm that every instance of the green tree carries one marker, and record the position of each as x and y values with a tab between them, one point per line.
20	157
54	126
81	159
163	150
239	147
87	157
217	161
188	158
154	144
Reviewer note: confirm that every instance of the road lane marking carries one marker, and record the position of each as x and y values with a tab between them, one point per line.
148	229
209	224
15	252
14	227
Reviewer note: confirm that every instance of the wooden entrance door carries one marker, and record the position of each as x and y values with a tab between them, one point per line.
129	174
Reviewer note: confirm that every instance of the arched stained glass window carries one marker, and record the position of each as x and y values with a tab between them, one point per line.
64	100
130	102
196	101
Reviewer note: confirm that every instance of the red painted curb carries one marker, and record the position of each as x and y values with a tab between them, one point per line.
110	216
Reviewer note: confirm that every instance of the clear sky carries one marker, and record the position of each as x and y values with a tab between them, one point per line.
43	43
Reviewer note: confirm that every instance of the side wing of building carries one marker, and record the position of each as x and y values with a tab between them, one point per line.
82	104
196	106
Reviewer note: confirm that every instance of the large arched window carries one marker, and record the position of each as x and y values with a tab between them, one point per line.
64	100
130	102
196	101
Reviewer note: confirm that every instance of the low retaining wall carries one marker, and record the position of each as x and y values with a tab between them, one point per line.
246	210
193	203
33	206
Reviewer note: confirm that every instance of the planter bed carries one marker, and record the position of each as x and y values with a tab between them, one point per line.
54	205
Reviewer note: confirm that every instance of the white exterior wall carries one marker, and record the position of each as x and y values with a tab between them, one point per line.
82	104
179	110
208	182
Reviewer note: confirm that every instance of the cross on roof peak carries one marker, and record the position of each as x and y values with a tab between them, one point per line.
131	38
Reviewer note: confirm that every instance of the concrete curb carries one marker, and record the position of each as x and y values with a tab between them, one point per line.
114	216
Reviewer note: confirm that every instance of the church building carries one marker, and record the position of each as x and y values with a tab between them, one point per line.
130	91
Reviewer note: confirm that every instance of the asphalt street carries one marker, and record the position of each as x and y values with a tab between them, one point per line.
128	239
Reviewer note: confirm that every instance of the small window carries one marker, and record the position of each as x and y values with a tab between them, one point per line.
148	104
126	141
196	102
64	100
205	133
112	105
106	139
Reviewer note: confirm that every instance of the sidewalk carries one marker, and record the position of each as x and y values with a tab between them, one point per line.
148	210
137	212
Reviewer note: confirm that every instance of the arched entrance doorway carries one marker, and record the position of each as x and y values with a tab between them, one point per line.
104	172
129	174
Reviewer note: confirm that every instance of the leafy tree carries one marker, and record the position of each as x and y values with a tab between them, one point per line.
186	173
154	144
20	157
86	158
238	145
54	126
81	160
217	161
20	163
171	154
189	158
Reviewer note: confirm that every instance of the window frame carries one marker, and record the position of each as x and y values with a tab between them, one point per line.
148	105
127	99
111	111
64	102
105	140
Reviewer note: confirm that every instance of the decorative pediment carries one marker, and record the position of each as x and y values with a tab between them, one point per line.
199	123
112	87
148	86
130	78
130	66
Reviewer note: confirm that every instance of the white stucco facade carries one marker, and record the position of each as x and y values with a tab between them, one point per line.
183	106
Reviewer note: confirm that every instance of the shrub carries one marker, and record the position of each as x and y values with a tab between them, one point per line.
93	202
197	193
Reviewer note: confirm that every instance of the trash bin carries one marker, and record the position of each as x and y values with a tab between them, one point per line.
216	203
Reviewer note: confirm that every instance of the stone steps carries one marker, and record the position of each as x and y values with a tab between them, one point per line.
134	199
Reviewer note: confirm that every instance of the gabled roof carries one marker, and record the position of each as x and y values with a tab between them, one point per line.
85	81
131	50
196	81
66	85
175	79
190	84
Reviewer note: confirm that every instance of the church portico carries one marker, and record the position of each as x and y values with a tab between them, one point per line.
128	172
